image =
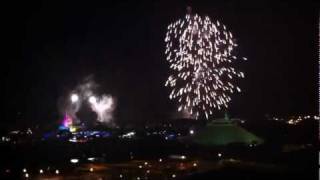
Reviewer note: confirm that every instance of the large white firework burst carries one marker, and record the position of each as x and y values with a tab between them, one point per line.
200	53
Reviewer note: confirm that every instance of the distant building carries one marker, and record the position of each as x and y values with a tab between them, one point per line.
223	132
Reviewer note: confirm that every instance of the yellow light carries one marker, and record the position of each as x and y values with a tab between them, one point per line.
91	169
73	129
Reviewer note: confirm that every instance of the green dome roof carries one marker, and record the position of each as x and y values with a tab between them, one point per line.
224	133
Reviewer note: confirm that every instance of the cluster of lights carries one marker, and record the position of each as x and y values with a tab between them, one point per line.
294	120
8	138
84	136
143	165
167	135
73	139
29	131
26	174
148	171
158	132
200	53
41	171
167	125
252	145
5	139
128	135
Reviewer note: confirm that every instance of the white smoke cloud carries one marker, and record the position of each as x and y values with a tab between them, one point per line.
103	105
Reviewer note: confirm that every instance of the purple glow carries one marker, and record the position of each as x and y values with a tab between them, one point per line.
67	120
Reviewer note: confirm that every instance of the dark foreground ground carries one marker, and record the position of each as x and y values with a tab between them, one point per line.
153	158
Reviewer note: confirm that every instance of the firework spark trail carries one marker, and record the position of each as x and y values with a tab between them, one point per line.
200	54
319	75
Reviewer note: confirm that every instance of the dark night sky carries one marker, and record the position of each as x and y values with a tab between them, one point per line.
52	46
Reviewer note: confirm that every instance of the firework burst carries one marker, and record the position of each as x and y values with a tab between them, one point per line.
200	53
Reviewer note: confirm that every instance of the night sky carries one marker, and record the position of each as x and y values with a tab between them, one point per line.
51	46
